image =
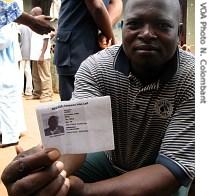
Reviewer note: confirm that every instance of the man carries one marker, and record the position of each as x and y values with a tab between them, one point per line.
77	36
40	57
151	85
54	128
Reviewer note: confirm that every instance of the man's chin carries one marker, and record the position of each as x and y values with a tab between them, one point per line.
148	63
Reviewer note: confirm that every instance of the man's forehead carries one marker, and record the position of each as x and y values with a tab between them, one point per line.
132	6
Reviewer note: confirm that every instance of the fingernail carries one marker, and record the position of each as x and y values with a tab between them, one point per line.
53	155
59	165
63	173
67	182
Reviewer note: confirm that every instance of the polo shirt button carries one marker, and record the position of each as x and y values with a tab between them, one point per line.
132	81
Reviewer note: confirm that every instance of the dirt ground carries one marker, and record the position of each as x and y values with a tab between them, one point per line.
30	138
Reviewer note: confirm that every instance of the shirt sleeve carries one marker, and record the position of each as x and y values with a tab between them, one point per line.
86	84
8	12
178	146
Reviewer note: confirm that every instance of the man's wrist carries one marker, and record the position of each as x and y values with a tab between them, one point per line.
25	19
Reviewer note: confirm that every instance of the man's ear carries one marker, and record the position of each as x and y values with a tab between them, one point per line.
180	29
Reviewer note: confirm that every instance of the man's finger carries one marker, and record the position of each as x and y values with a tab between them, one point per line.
23	166
48	18
18	149
34	182
53	187
65	188
25	153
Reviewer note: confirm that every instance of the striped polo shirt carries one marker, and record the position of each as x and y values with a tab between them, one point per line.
152	122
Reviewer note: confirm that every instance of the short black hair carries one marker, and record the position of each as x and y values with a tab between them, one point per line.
52	118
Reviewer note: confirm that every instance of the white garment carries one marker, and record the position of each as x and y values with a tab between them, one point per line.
15	32
25	69
25	41
37	45
55	7
12	121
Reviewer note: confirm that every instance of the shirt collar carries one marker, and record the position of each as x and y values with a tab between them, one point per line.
122	64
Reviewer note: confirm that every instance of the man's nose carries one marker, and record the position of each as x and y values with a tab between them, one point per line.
147	32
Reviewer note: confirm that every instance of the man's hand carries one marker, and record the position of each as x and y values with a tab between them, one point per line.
41	59
41	24
36	172
77	186
104	42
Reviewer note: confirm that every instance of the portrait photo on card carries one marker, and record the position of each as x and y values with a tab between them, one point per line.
53	124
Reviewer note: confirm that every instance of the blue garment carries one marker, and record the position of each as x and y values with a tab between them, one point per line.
76	38
8	12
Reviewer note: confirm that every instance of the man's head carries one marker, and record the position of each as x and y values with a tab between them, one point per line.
150	33
36	11
53	122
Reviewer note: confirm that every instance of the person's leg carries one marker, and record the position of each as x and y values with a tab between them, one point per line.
66	87
46	80
36	80
27	72
96	167
21	69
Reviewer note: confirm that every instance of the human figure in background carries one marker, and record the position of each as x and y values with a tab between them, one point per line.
11	112
77	36
40	58
25	62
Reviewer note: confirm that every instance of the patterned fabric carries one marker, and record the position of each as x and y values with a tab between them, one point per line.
153	123
9	11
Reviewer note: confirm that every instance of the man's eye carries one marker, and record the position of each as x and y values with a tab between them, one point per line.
164	26
134	24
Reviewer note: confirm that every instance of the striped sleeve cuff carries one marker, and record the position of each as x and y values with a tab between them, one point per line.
177	171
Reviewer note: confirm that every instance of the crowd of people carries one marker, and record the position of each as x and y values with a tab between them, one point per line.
149	79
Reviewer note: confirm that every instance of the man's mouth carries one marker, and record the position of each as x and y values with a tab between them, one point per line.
146	50
146	47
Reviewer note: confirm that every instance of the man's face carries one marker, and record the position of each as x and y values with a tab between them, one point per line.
150	33
53	122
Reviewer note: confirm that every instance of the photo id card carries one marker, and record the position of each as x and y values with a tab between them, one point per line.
77	126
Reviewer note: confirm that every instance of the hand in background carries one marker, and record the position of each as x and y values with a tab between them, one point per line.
104	42
41	24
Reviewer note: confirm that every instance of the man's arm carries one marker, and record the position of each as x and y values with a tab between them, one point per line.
114	9
101	17
43	50
39	24
148	181
11	12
